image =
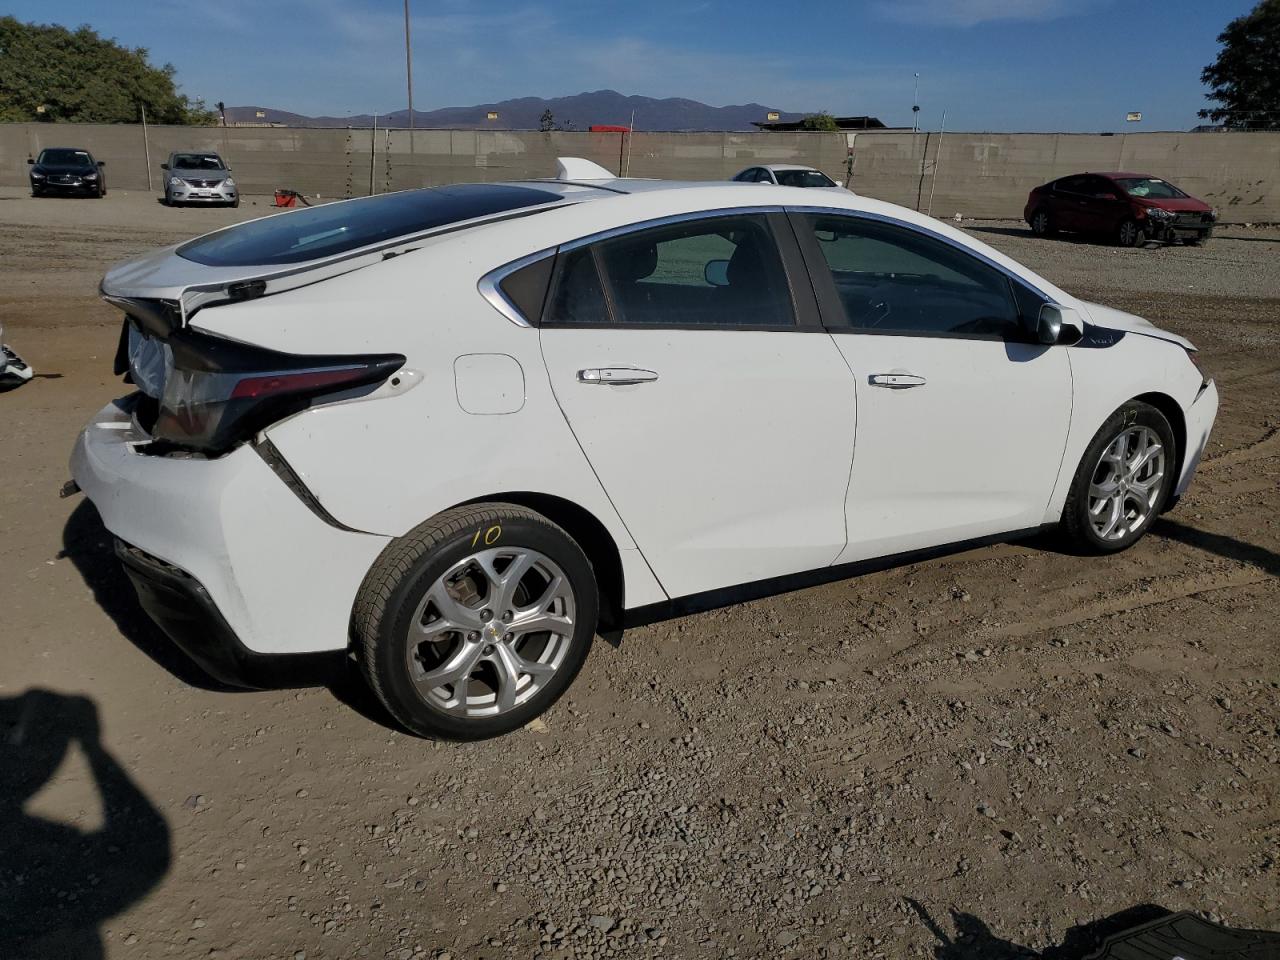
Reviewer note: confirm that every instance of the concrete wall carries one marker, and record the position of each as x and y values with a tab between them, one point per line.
975	174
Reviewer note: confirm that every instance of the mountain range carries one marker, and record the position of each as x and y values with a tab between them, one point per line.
577	112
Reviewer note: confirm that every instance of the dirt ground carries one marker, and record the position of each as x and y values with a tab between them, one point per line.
984	756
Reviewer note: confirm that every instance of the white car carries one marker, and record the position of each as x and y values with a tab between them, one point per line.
455	433
788	175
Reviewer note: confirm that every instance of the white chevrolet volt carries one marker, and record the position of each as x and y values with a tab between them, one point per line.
452	434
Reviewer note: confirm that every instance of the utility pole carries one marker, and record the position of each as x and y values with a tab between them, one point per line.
146	145
373	151
937	161
408	70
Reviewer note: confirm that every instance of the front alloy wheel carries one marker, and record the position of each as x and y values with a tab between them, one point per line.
1127	483
1040	224
476	622
1123	480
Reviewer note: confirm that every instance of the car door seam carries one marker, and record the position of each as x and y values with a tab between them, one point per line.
592	467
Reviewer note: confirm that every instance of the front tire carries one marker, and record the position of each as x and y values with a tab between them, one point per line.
1123	481
1041	224
1129	234
476	621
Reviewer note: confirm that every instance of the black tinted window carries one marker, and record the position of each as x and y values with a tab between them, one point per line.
339	227
59	157
1078	184
721	271
804	178
577	296
196	161
895	280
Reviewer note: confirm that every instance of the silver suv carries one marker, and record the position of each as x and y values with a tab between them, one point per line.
198	178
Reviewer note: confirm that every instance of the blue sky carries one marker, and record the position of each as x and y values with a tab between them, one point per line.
1074	65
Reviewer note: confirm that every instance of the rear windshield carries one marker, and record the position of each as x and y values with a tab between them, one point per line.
67	157
803	178
339	227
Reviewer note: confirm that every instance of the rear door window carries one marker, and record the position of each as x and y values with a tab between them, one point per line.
709	272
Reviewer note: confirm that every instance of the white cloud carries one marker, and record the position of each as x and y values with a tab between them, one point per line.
968	13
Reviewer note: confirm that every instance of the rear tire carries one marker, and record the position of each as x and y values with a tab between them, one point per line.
1116	494
1041	224
437	622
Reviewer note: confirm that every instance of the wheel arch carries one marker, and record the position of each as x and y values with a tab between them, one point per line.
1173	412
590	534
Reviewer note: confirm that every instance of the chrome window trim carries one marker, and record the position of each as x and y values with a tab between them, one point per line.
639	225
893	221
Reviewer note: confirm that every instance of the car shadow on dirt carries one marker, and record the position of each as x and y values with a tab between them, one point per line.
89	545
58	882
974	940
1224	546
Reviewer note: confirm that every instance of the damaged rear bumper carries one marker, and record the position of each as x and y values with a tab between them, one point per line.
226	558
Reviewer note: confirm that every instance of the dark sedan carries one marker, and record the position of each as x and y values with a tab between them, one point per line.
1125	208
67	170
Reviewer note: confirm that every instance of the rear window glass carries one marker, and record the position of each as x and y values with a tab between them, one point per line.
339	227
803	178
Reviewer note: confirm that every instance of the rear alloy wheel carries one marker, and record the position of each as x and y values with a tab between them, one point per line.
476	622
1129	234
1123	480
1041	225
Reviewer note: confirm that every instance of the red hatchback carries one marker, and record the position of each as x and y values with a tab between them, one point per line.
1126	208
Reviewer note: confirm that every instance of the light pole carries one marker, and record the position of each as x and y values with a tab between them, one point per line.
408	70
915	104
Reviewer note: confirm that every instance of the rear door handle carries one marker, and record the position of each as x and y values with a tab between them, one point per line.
616	376
896	381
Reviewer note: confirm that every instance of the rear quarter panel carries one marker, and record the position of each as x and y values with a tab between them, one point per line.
384	464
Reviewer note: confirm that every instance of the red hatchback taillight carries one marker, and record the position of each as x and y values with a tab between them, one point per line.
218	394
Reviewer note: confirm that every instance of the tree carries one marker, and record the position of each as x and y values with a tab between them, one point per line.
48	72
548	121
822	122
1245	79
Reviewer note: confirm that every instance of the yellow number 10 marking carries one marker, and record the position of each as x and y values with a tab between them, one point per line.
491	536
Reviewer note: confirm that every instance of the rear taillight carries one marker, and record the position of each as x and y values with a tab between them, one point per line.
218	394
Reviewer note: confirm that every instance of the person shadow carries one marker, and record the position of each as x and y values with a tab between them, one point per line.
974	940
58	883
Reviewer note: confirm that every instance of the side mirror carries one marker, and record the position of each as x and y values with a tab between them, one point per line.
30	160
839	183
716	273
164	166
102	163
1058	325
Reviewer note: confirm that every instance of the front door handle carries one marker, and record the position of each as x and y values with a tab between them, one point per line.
616	376
896	381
